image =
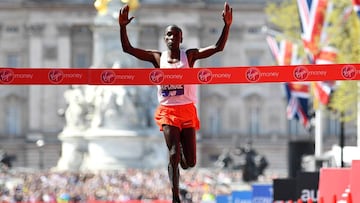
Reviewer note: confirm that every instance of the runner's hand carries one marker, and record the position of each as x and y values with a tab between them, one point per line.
124	15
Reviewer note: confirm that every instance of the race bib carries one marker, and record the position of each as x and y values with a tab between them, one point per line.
172	90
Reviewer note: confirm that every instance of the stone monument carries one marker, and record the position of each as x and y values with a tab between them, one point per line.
111	127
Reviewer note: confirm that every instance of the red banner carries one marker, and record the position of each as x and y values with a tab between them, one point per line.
333	182
43	76
151	76
355	180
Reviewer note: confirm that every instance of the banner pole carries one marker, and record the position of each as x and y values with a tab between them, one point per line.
318	132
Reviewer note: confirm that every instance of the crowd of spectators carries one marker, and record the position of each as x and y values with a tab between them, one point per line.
111	186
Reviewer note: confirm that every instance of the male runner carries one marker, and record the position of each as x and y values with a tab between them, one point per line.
176	114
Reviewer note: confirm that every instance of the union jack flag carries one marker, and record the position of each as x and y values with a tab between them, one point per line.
312	16
313	24
356	5
285	52
298	96
327	55
324	89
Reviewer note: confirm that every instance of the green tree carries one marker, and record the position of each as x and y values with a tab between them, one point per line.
345	36
284	17
343	33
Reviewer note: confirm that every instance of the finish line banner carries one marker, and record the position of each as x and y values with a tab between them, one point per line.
155	76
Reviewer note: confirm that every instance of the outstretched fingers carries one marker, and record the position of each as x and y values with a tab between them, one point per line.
124	15
227	14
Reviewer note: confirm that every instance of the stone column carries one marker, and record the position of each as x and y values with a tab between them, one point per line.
64	47
98	56
35	99
35	44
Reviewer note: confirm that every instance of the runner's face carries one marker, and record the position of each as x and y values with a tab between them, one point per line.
173	37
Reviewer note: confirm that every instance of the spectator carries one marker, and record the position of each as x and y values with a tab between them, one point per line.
114	186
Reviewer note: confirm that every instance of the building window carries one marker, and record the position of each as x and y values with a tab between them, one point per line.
254	61
13	118
234	118
215	122
253	103
333	127
214	110
294	126
12	29
81	46
254	121
81	60
13	60
254	30
254	57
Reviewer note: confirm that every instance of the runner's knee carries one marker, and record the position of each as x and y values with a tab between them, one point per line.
191	162
174	156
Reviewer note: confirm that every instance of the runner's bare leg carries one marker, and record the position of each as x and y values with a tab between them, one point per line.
172	138
188	147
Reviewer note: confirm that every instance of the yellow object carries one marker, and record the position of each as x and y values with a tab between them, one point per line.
101	6
133	4
316	102
208	197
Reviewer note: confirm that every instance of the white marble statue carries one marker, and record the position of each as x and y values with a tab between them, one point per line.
76	110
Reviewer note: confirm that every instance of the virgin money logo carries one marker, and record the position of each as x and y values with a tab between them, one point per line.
156	76
348	72
252	74
205	76
56	76
108	77
301	73
6	76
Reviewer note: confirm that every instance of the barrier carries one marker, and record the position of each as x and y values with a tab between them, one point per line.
262	193
303	188
151	76
333	182
355	181
241	196
340	184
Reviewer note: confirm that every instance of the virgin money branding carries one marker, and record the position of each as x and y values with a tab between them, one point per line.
6	76
108	77
156	76
252	74
56	76
301	73
348	72
205	76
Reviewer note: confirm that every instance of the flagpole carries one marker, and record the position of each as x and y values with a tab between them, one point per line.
318	126
318	132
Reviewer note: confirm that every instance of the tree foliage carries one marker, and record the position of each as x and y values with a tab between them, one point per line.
345	36
285	17
343	32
